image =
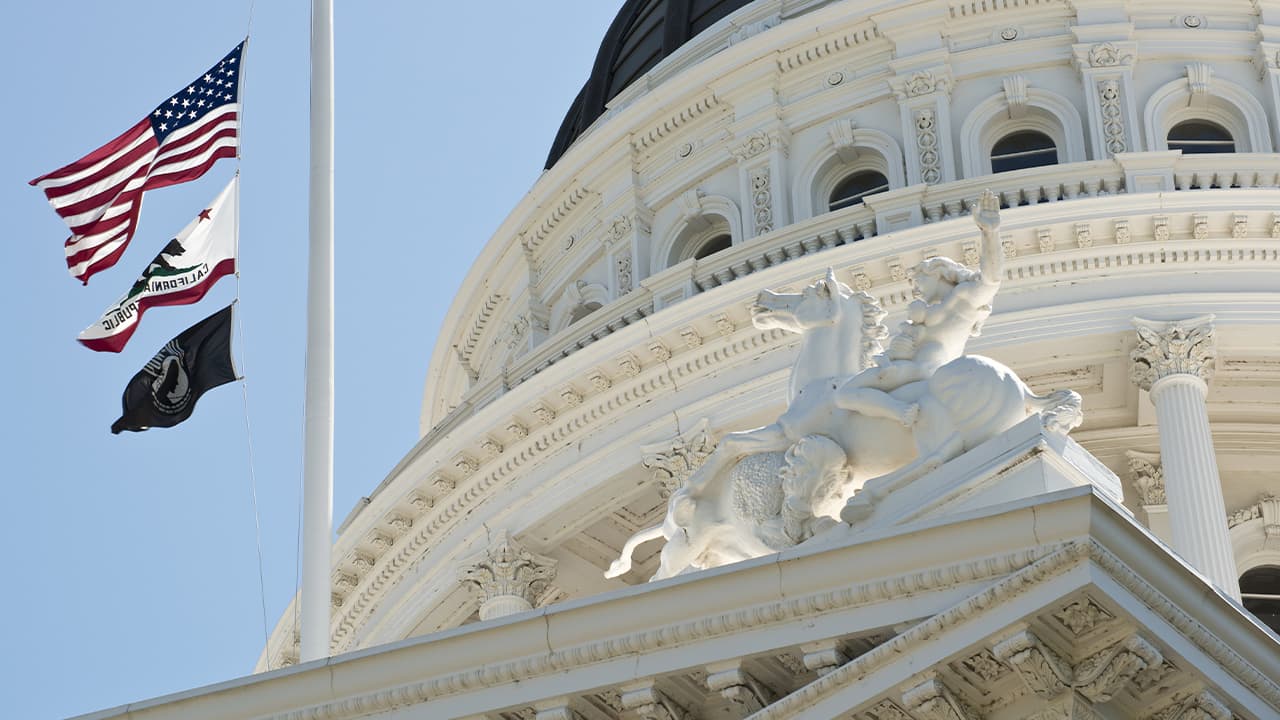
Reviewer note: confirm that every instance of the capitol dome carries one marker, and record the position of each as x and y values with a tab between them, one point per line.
603	344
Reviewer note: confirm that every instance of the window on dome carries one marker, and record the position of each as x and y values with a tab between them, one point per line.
1023	149
712	246
851	190
1260	591
1201	136
582	311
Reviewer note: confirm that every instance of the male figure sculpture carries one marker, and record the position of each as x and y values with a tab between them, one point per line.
951	302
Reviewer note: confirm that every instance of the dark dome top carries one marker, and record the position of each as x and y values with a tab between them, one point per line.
644	32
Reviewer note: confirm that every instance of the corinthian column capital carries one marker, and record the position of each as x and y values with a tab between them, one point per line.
1178	347
506	577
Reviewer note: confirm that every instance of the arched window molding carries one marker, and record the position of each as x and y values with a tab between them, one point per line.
1030	109
1250	548
848	150
579	300
1200	96
702	217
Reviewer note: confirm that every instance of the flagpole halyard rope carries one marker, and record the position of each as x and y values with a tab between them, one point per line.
244	384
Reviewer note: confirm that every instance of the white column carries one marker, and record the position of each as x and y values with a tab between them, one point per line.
1174	362
317	460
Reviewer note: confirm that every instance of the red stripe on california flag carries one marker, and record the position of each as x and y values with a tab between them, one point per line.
194	294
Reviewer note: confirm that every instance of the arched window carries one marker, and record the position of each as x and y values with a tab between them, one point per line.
1260	591
851	190
713	245
1023	149
1200	136
582	310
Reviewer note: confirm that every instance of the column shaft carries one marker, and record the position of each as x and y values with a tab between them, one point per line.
1197	515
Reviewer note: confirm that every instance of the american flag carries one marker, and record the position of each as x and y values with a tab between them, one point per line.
99	196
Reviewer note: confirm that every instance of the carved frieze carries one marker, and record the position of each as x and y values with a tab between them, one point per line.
925	123
1160	228
917	84
1169	348
1044	239
1148	476
1082	616
985	666
762	199
629	364
1084	235
692	338
1122	231
673	461
754	144
599	380
740	688
933	700
506	577
1097	678
647	702
1203	705
724	325
1112	116
1108	55
624	274
1239	225
1199	226
660	351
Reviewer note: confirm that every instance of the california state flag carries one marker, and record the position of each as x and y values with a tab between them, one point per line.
181	274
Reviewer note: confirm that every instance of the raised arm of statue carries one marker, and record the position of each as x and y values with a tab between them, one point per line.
991	255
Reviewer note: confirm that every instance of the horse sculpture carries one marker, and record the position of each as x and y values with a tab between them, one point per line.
844	395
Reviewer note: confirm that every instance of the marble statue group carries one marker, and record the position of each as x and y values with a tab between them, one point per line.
865	416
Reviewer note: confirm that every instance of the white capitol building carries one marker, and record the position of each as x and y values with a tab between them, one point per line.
612	333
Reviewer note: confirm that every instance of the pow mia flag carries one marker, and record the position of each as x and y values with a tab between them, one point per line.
165	391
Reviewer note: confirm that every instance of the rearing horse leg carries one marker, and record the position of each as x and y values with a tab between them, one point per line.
623	563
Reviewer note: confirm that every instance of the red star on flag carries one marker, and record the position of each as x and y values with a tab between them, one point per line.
204	215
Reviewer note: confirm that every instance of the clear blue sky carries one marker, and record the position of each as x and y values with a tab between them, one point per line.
132	563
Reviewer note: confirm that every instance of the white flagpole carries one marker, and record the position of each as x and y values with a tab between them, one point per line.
317	462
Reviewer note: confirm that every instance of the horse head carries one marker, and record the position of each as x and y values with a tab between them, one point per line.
821	304
842	327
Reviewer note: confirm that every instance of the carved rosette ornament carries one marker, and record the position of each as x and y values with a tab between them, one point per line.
673	461
1180	347
506	577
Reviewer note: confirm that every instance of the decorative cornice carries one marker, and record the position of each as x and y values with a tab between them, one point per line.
1178	347
1201	637
1013	573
